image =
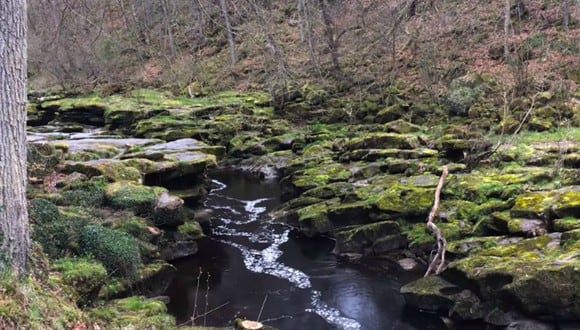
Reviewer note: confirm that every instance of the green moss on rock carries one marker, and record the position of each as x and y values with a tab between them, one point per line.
83	275
118	251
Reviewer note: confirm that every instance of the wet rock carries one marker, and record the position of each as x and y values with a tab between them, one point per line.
431	294
375	238
168	211
467	307
175	245
152	279
529	325
408	264
503	223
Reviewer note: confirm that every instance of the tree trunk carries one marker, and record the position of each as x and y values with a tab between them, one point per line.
566	14
506	30
13	213
330	32
229	32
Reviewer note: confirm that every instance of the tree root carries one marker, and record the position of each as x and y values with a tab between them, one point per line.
438	260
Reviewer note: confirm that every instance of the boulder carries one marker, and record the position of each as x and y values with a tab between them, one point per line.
432	294
375	238
167	211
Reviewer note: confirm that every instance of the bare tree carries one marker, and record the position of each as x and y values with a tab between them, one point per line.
229	32
566	13
330	34
14	235
506	29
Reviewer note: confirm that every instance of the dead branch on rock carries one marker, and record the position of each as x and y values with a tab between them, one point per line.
439	259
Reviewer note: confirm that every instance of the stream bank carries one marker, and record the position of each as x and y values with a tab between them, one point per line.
368	184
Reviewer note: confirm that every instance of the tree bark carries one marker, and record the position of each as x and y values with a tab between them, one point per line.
13	213
566	14
229	32
330	32
506	30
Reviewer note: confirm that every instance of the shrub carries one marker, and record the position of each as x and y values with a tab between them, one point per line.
118	251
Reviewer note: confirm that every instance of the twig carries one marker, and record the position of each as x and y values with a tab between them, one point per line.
439	259
208	312
262	308
526	115
205	312
196	292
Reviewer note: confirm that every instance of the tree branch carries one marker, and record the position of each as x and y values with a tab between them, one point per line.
439	259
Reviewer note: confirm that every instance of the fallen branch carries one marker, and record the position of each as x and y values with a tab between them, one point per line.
439	259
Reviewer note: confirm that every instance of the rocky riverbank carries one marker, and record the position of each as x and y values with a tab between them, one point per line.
510	207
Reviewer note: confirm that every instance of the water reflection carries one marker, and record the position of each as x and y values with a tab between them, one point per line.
249	259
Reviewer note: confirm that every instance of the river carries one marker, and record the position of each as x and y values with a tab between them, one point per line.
247	262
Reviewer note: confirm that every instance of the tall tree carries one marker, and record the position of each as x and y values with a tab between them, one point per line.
13	213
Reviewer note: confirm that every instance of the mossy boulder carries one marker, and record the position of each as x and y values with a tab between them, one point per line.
566	224
83	275
537	275
130	196
382	141
151	280
567	202
112	169
180	243
374	238
431	293
58	232
138	227
118	251
168	211
135	312
406	201
533	205
503	223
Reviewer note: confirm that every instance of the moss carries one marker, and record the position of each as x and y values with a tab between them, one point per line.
30	304
320	175
85	193
134	312
418	235
567	203
59	235
531	205
130	196
382	141
137	227
314	217
83	275
566	224
406	201
42	211
191	229
118	251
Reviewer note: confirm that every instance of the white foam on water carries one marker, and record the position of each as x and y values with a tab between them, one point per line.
265	261
220	185
331	314
254	210
228	208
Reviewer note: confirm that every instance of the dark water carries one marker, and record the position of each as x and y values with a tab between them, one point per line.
248	262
